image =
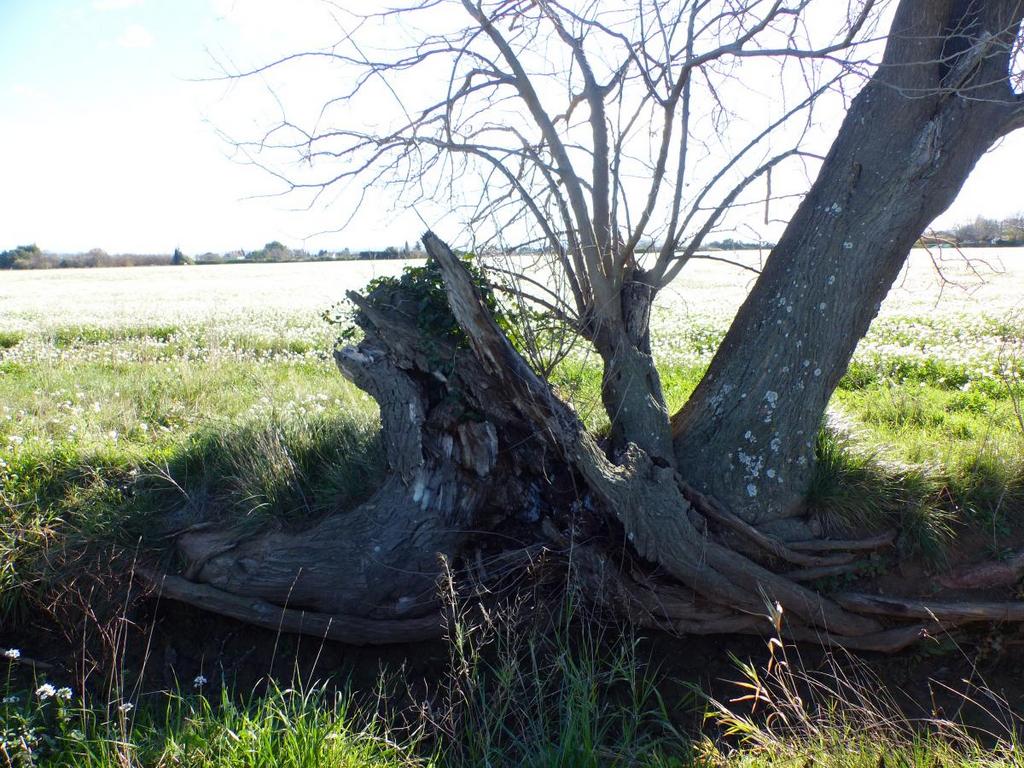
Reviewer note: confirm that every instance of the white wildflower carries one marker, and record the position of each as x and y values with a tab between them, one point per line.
199	681
125	708
12	653
64	694
46	691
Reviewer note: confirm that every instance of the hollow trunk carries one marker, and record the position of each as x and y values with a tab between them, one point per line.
908	143
459	458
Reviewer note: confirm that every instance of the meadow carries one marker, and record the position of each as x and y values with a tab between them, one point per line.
140	400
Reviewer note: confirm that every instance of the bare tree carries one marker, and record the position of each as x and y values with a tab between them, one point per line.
619	139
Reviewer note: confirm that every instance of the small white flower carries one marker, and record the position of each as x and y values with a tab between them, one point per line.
64	694
12	653
125	708
12	699
199	681
46	691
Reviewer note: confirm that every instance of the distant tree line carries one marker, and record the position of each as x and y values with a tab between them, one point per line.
32	257
982	232
729	244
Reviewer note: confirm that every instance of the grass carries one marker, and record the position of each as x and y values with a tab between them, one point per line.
575	694
108	453
514	692
109	435
305	728
84	334
114	431
9	339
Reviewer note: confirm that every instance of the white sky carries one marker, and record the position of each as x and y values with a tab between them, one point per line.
107	140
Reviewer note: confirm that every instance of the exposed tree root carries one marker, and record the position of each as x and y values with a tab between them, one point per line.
943	611
716	512
475	442
345	628
1002	573
878	541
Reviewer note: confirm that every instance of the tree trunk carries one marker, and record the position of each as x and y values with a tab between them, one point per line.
630	385
911	137
448	435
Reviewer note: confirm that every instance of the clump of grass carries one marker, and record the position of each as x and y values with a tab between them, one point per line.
55	508
305	727
10	339
281	468
91	334
852	487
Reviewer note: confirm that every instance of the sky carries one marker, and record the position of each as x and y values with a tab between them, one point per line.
109	132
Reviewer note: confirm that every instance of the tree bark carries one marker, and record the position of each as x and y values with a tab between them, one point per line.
909	141
630	385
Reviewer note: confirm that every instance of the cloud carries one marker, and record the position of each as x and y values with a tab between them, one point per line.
135	36
114	5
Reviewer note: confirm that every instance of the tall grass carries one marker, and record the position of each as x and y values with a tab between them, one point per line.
577	694
842	715
572	692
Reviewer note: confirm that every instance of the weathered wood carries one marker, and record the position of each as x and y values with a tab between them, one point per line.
943	611
715	511
1002	573
354	630
646	497
884	539
446	474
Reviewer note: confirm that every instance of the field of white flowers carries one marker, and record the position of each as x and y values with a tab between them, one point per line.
955	307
